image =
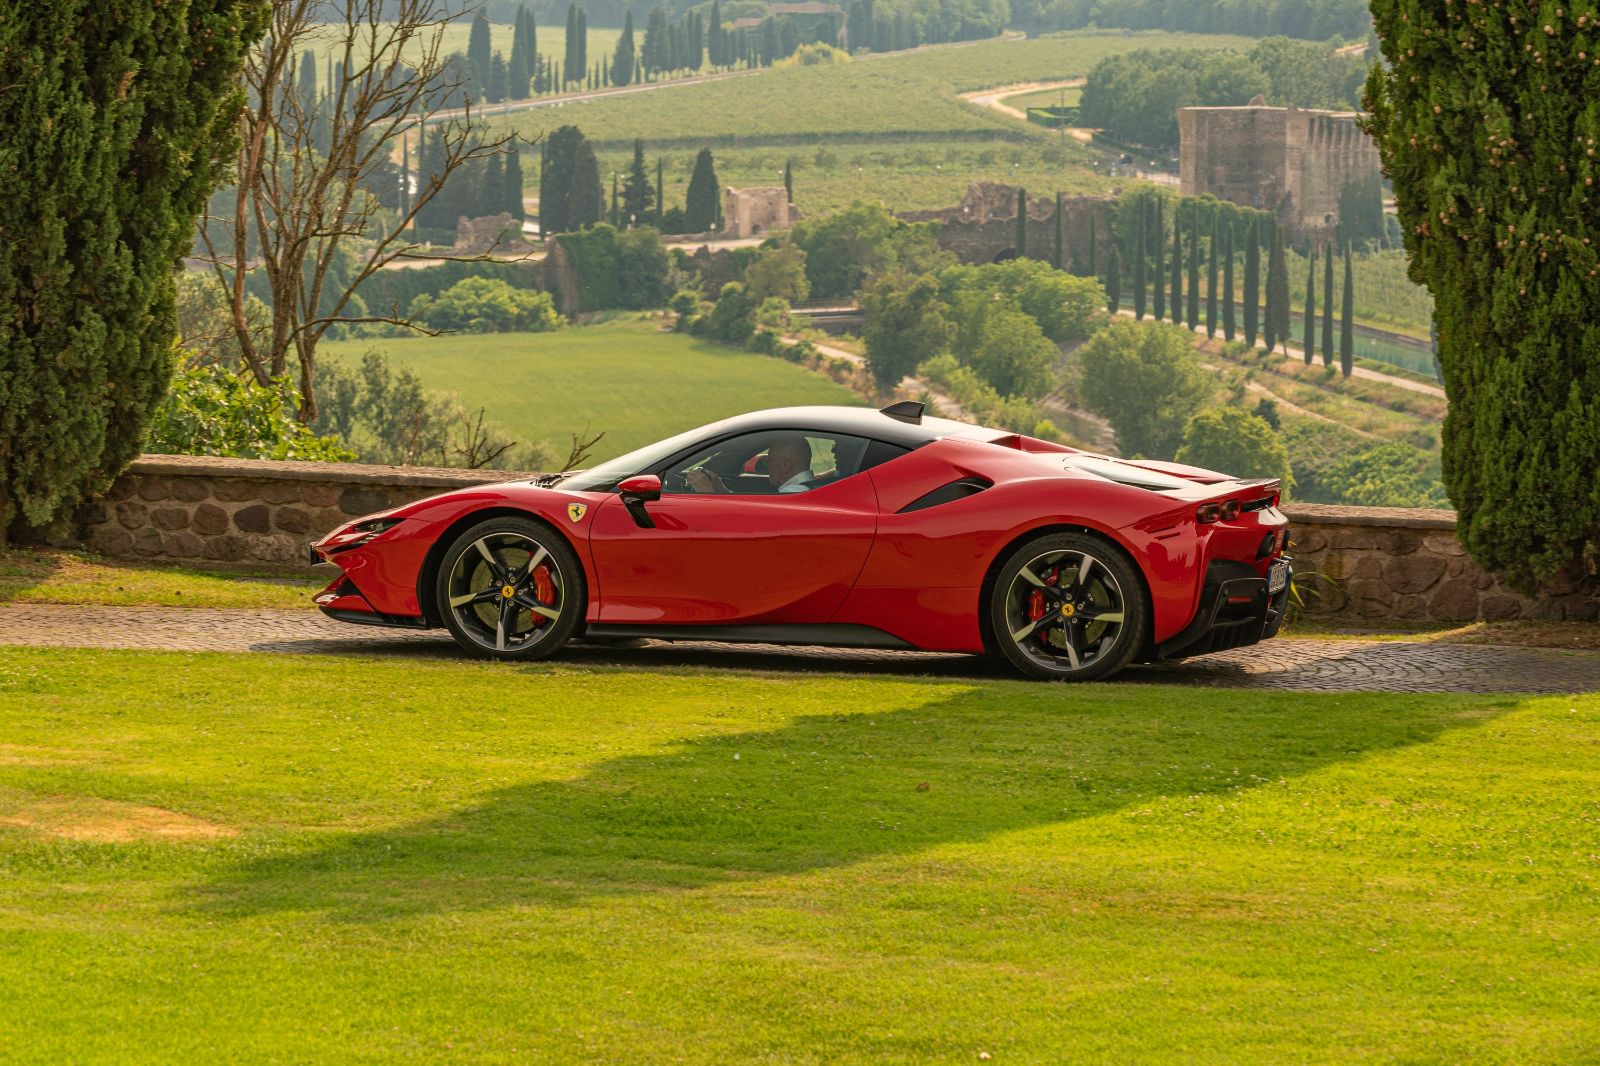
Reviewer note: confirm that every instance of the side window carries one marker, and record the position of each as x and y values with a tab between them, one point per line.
774	462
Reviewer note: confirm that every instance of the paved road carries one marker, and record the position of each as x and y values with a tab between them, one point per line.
1302	665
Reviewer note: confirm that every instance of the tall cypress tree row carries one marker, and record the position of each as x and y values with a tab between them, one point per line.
1309	343
1094	251
1140	283
1056	258
1488	127
1211	278
1252	282
1177	265
1277	292
1160	272
1327	308
1347	331
1228	329
1113	278
116	122
1192	308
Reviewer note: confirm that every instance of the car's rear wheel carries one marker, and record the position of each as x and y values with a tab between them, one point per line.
510	588
1069	607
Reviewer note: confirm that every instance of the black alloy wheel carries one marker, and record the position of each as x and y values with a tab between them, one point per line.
510	588
1067	606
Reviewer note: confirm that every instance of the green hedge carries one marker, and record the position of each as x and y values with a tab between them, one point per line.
397	288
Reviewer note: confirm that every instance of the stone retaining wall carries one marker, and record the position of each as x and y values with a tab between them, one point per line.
1365	566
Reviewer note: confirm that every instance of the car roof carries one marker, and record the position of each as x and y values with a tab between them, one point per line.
857	421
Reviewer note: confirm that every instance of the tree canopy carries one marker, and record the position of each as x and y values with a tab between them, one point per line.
1146	380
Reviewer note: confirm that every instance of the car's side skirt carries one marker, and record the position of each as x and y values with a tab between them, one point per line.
837	635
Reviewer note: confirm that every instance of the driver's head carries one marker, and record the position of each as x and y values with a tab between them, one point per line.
786	457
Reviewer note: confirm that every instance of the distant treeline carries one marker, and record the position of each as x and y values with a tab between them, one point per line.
1314	20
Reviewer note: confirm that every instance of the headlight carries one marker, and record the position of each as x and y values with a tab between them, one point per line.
358	534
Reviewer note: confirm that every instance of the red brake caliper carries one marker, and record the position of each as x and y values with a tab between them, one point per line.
1036	607
544	587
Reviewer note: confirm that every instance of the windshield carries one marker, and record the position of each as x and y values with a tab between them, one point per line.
604	478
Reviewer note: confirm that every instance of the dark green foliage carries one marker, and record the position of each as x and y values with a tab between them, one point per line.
788	180
1177	269
585	203
1021	240
479	305
1094	251
622	58
1228	319
391	291
1252	283
1309	340
732	319
1113	278
1192	308
661	199
211	410
1140	283
569	189
1361	218
1276	330
1327	307
845	250
1493	151
116	122
511	185
1211	282
1055	259
1146	380
1313	20
637	196
1067	308
595	259
1347	317
1160	274
702	204
1235	442
480	57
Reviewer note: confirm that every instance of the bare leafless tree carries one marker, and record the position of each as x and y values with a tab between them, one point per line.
307	163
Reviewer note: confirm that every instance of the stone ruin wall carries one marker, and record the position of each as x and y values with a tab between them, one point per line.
984	225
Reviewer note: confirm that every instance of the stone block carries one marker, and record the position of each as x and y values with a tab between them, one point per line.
191	489
292	519
182	545
1443	544
147	541
132	514
1409	608
320	494
236	490
1350	538
257	518
209	519
111	541
124	488
229	547
1455	600
1498	608
357	500
280	491
1305	540
1397	541
1369	598
155	488
94	513
1415	572
170	517
279	549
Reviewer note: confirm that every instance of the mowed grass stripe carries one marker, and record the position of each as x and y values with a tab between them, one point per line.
375	858
626	378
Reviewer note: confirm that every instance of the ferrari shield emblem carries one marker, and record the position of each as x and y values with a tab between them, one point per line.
576	511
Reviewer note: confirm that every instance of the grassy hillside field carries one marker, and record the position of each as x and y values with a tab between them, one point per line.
897	98
626	378
271	857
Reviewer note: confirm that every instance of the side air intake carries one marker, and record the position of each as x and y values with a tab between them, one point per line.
956	490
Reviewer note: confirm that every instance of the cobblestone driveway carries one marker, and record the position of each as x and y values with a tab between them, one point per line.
1307	665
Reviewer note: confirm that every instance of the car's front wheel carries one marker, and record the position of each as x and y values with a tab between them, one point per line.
510	588
1067	606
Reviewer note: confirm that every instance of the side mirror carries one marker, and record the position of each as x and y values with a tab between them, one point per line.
637	491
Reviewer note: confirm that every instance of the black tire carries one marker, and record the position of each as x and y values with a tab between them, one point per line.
538	615
1055	627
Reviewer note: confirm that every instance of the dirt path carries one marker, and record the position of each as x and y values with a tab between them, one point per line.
995	99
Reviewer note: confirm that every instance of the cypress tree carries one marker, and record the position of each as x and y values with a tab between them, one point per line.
585	204
1094	252
114	129
1177	267
1327	309
489	197
1160	273
1252	281
1113	278
1192	307
480	56
1056	258
615	216
1228	316
1139	281
1347	339
571	37
1211	278
637	197
661	198
700	208
580	51
622	58
714	36
405	175
1310	334
788	181
1022	223
511	185
1277	292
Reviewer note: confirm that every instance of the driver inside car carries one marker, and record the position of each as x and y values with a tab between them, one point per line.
788	469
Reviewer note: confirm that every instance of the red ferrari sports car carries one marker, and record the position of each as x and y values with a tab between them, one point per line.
836	526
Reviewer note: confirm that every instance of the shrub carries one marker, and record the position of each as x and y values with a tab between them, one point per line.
1235	442
210	410
478	305
1145	379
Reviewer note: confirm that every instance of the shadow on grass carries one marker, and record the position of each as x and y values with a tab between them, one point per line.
833	790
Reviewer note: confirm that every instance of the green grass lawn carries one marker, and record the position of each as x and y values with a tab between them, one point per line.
627	378
267	857
47	575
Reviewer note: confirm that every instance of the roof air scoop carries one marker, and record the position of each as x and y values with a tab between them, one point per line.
905	411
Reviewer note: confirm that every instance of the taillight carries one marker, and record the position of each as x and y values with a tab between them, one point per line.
1207	513
1230	510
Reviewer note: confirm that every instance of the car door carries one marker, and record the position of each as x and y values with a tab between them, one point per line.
747	553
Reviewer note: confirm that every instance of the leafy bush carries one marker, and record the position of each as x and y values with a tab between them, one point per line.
1235	442
1388	475
846	250
387	290
731	319
210	410
479	305
1067	308
1146	380
906	326
642	268
779	272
